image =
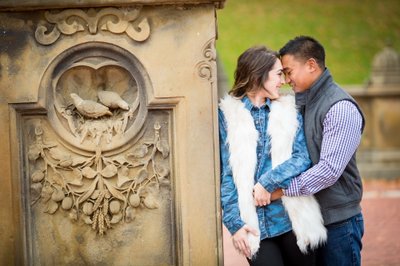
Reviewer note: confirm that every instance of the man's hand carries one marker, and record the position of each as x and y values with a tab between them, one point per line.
261	196
240	241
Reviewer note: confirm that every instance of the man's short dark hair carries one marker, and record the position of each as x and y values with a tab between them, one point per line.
304	48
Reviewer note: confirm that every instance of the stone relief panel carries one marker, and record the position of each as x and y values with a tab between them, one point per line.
99	160
114	20
98	189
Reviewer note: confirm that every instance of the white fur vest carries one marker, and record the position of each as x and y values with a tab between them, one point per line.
242	136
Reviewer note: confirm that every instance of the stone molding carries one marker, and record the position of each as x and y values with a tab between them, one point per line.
71	21
48	4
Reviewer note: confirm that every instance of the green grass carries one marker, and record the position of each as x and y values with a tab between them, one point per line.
352	31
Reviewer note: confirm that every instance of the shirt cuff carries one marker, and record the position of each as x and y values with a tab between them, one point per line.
292	190
267	183
233	227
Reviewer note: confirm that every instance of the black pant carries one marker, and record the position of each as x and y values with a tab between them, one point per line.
282	250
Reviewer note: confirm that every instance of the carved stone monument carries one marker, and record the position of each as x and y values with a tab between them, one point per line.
379	155
109	148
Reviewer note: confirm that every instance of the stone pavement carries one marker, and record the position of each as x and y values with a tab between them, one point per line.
381	241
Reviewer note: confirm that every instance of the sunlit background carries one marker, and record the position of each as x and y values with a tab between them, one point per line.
352	31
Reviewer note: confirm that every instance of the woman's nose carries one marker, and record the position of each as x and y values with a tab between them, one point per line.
283	80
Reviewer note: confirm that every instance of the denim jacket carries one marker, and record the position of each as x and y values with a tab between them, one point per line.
273	219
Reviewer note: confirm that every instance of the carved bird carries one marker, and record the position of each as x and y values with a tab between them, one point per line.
112	100
89	108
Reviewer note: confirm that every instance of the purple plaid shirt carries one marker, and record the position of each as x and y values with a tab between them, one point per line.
342	128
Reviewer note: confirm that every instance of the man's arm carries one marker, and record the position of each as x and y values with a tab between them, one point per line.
342	128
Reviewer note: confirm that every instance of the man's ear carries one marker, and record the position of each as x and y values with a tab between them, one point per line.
312	65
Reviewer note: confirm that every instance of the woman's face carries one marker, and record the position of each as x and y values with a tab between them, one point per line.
274	81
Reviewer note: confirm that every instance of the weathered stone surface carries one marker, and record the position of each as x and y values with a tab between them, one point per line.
108	127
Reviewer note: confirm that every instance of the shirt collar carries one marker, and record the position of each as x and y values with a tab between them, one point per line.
249	105
303	98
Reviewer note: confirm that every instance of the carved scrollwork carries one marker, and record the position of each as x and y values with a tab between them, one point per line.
71	21
206	66
97	189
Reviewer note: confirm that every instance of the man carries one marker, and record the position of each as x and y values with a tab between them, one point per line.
333	124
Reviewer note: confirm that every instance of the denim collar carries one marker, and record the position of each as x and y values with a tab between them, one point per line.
249	105
314	92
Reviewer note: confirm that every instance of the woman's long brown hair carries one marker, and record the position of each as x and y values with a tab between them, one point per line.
252	70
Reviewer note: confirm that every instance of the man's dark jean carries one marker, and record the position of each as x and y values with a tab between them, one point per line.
344	243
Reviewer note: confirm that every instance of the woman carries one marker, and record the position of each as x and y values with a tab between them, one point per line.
248	172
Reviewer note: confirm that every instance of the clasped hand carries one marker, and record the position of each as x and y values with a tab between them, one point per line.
261	196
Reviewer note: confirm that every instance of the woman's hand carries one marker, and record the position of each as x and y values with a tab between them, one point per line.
240	241
261	196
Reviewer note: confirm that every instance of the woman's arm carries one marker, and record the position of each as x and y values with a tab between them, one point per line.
229	195
280	176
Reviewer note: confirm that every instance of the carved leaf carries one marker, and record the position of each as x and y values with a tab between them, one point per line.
34	152
162	171
74	177
89	192
66	162
150	202
163	147
120	159
130	214
36	189
86	219
152	188
56	179
139	152
56	154
89	172
142	175
52	207
109	171
114	191
122	179
78	160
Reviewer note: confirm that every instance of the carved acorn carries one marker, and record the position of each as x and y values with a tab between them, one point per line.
67	203
112	100
37	176
134	200
58	195
115	206
89	108
87	208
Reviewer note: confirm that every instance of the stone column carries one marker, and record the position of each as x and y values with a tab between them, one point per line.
109	141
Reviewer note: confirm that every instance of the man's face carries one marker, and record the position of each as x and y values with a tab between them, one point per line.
298	74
